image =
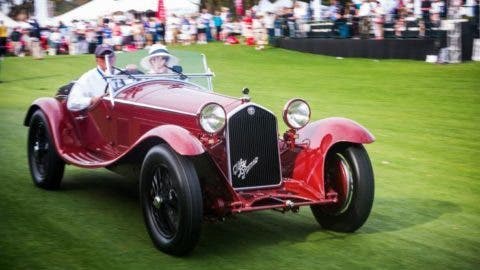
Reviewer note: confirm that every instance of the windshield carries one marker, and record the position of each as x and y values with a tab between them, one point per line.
129	69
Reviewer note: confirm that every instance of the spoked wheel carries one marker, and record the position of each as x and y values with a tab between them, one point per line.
171	200
46	167
348	172
164	202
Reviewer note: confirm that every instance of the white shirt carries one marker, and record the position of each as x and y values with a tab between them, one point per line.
269	21
436	7
364	10
91	84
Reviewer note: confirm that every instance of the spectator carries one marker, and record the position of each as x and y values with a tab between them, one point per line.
160	30
3	40
228	29
107	34
300	12
379	20
127	33
150	32
174	26
185	31
364	14
201	29
225	14
16	39
435	12
55	40
34	42
117	37
400	26
138	34
91	39
206	20
351	16
247	22
269	22
193	29
425	8
259	32
340	24
290	22
218	22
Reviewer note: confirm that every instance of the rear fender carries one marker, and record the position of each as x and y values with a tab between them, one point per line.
180	139
319	137
58	122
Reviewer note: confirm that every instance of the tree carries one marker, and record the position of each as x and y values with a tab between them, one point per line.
24	7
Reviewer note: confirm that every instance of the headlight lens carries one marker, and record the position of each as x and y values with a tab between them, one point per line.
296	113
212	118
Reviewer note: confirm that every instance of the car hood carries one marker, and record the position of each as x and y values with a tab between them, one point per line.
177	96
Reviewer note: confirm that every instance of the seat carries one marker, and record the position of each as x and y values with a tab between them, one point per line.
63	91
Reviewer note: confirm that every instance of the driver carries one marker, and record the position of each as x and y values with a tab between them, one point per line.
158	60
92	85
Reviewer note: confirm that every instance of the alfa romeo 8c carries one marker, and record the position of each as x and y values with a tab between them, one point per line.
199	155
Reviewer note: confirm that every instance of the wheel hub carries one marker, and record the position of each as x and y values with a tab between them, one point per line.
36	149
157	201
345	173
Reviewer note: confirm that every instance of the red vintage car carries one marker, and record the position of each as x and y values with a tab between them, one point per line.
201	155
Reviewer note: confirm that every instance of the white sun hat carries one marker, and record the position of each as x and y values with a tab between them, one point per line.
158	50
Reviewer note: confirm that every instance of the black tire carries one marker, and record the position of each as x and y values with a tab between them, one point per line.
46	167
171	200
348	171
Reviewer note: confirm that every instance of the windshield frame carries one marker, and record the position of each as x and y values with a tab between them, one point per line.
141	78
149	78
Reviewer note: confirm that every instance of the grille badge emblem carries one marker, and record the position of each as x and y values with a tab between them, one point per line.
251	110
241	169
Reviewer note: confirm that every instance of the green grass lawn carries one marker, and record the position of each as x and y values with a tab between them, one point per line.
426	213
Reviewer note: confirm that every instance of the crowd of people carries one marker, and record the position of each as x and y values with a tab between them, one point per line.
127	31
134	31
362	17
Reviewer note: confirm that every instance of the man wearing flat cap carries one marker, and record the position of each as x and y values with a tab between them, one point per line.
92	85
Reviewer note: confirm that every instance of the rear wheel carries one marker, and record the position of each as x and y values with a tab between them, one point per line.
348	172
171	200
46	167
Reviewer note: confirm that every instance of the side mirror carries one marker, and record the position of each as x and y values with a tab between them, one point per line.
177	69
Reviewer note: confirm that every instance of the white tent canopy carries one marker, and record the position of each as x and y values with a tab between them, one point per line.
98	8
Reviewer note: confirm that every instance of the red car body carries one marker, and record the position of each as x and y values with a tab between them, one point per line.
104	135
118	132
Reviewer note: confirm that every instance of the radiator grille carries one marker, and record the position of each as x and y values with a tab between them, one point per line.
253	148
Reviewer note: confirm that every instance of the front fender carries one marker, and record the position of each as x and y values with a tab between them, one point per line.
319	137
326	132
180	139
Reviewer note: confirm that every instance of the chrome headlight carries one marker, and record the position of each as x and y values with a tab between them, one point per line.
296	113
212	118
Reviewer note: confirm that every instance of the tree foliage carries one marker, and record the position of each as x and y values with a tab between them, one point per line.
24	7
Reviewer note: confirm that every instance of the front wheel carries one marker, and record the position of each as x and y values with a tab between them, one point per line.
46	167
349	173
171	200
